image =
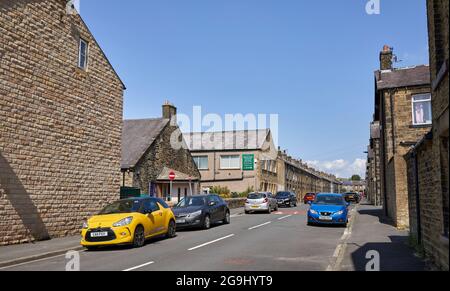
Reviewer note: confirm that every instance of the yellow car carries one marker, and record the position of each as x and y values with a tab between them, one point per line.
129	221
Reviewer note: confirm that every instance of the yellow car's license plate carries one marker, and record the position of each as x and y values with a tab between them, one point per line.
99	234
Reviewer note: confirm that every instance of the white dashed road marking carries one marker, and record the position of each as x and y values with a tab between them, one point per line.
211	242
284	217
260	225
138	267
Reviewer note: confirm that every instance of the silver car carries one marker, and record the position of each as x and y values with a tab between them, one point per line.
260	201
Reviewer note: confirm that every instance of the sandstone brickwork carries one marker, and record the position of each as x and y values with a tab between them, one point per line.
395	88
428	161
60	126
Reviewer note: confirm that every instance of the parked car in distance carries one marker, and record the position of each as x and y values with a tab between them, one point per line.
201	211
309	197
129	221
260	201
352	197
328	209
288	199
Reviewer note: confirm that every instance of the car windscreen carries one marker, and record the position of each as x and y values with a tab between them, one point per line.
123	206
256	196
329	200
283	195
191	201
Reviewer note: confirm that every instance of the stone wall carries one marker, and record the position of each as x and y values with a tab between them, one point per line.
432	152
161	154
235	202
397	137
433	155
60	126
430	203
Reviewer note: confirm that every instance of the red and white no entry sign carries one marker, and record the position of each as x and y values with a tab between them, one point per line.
172	175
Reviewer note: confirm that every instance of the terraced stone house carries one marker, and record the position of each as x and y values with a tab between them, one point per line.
60	122
403	110
149	156
428	160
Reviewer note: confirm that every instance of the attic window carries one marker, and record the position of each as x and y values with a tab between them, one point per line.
83	54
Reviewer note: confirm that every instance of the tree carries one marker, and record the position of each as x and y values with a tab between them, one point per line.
355	178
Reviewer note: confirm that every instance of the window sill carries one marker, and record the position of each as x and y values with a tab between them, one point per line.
429	125
80	71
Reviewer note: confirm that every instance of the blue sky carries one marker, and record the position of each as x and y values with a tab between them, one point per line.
311	62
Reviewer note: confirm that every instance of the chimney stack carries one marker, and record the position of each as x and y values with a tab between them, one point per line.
386	58
169	111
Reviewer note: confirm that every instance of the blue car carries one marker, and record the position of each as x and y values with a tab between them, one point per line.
328	209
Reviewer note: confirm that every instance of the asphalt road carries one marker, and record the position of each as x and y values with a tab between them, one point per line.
280	241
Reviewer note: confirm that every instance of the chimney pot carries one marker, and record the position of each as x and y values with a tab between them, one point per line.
169	111
386	57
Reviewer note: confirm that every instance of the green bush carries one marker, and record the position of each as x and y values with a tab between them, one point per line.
222	191
246	192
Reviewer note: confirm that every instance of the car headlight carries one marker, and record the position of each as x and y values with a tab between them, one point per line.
339	212
313	211
195	214
85	225
123	222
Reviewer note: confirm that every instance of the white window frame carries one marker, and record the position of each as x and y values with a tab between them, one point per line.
229	158
197	162
427	101
86	56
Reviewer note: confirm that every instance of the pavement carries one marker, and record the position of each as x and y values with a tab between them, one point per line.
280	241
371	235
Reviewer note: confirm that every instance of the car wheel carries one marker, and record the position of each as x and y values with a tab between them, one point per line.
171	229
247	212
227	219
206	222
139	237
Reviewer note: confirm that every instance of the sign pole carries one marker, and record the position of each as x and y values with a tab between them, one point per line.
171	178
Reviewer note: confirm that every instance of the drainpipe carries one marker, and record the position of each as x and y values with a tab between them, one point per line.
391	99
418	217
383	136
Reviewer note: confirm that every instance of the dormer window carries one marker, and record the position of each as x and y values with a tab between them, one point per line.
83	54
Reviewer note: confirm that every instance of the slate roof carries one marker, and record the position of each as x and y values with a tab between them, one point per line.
227	140
137	136
404	77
